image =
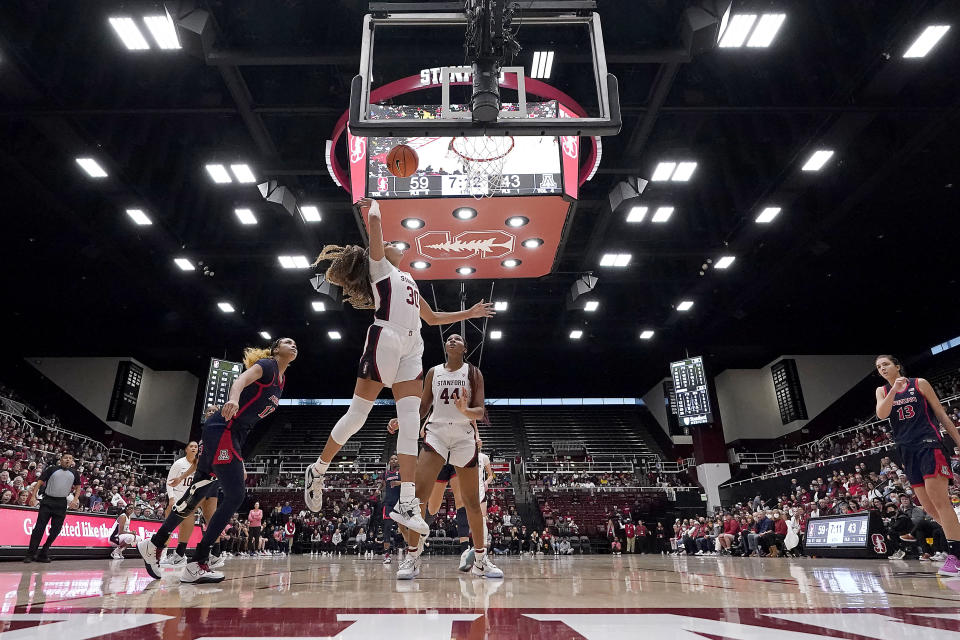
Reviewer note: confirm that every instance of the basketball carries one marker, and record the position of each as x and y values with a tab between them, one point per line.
402	161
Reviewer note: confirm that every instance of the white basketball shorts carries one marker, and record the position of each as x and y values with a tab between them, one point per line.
455	442
391	354
128	539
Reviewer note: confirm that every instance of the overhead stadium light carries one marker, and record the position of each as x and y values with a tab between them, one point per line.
591	305
184	264
226	307
576	334
310	213
926	41
420	264
243	173
646	334
318	306
662	214
684	172
724	262
766	29
767	215
496	334
738	27
334	335
245	216
91	167
218	173
139	217
685	305
532	243
637	214
465	271
816	161
500	305
615	260
129	33
663	171
294	262
265	335
163	30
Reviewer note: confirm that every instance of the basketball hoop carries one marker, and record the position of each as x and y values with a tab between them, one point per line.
482	159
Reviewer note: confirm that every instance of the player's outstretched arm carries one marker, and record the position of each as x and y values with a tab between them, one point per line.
480	310
376	229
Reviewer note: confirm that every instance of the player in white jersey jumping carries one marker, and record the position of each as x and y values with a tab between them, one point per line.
392	356
454	398
179	479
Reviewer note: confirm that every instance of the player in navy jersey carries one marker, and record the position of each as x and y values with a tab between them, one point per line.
917	416
254	395
392	356
391	496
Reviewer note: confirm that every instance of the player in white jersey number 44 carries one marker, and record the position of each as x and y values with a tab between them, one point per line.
392	356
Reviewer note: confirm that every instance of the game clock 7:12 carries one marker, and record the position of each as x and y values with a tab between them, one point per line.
418	186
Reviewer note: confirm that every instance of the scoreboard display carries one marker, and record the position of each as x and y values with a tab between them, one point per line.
690	389
219	380
429	185
852	535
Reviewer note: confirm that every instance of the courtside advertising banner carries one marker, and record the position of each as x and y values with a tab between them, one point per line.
80	530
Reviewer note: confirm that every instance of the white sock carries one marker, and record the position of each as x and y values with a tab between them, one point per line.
320	466
407	490
479	555
413	552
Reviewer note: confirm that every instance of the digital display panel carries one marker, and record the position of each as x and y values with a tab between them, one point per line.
690	389
532	166
851	531
219	380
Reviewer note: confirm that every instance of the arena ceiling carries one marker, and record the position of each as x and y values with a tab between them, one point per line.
860	259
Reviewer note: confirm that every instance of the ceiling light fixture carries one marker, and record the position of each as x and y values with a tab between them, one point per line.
310	213
819	158
724	262
129	33
684	172
926	41
92	167
464	213
184	264
663	171
517	221
496	334
637	214
265	335
243	173
767	215
218	173
163	30
737	30
500	305
245	216
532	243
318	306
766	30
420	264
685	305
138	216
576	334
226	307
334	335
615	260
412	223
662	214
510	263
591	306
465	271
646	334
542	64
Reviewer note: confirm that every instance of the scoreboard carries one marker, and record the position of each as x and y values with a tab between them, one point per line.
219	380
851	535
690	387
430	185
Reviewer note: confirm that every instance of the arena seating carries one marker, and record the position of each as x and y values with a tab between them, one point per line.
606	430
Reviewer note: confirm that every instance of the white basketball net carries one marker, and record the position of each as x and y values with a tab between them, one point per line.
482	159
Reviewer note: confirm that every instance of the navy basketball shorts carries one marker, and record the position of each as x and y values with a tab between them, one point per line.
920	464
446	472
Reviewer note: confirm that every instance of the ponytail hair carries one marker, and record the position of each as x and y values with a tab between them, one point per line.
350	270
252	354
894	360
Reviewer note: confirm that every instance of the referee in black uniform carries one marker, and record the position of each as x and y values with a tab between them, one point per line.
59	483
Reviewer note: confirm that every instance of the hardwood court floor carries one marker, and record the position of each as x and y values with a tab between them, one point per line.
594	597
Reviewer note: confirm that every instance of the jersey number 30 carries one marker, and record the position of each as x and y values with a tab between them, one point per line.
446	395
413	297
